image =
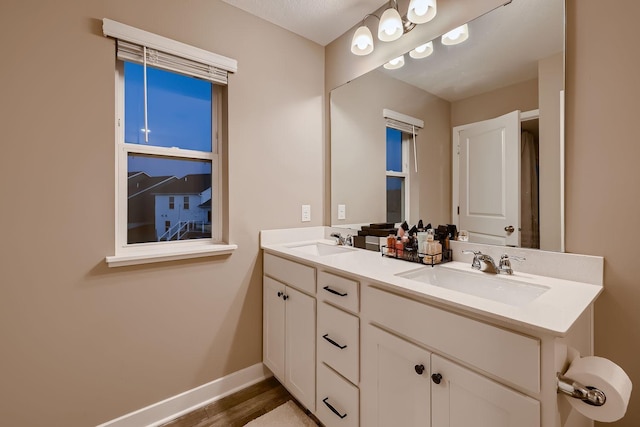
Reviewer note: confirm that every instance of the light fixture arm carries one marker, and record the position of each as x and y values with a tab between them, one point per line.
406	24
368	15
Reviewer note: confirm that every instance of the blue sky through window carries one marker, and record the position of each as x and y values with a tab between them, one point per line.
179	114
394	157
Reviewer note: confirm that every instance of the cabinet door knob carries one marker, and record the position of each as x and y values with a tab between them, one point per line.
285	297
436	378
280	294
419	369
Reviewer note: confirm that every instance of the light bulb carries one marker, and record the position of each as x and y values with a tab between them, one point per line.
362	43
422	51
421	11
395	63
390	27
456	36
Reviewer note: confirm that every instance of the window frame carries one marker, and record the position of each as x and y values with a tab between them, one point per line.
141	253
405	173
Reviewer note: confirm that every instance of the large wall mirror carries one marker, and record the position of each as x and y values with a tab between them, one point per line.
489	146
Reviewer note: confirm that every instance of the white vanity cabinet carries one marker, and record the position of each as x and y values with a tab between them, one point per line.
338	343
464	398
409	378
395	388
289	326
361	340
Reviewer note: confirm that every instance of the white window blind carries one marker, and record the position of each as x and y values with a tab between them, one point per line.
402	122
134	44
406	124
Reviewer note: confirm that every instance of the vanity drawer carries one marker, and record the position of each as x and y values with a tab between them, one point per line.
505	354
338	290
338	400
291	273
339	341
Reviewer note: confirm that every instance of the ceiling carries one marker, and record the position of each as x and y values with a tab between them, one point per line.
503	48
534	29
321	21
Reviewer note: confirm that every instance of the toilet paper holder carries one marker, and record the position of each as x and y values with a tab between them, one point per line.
589	395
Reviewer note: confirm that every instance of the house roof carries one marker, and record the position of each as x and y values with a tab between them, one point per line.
188	184
140	182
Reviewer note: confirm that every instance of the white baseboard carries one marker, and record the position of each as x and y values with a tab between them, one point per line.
173	407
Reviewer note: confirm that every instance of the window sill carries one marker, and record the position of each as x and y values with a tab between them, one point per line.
174	254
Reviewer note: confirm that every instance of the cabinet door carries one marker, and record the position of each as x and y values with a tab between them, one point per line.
273	312
300	342
464	398
395	387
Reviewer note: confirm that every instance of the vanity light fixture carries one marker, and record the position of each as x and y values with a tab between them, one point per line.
456	36
421	11
395	63
422	51
362	42
392	26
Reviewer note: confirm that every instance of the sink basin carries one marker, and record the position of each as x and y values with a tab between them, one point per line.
483	285
321	249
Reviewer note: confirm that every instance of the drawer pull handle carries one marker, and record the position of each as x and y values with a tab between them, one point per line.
436	378
341	347
333	291
419	369
334	410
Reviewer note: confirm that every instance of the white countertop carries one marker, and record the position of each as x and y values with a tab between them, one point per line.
553	312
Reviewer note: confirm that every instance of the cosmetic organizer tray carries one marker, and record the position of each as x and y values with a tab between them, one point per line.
412	255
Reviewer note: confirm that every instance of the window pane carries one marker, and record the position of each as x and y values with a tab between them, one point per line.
158	190
394	150
395	199
178	109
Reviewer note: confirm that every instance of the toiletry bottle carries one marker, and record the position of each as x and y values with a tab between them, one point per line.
391	244
437	252
429	248
399	247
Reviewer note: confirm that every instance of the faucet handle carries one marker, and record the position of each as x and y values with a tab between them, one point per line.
505	263
475	264
474	253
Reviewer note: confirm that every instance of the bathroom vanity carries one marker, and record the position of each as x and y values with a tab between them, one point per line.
365	340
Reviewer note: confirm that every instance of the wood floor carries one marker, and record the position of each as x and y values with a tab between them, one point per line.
239	408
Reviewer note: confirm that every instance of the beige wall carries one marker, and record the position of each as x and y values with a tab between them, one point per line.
602	173
551	83
520	96
358	150
82	343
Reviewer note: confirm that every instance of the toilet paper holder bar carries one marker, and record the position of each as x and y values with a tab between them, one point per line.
589	395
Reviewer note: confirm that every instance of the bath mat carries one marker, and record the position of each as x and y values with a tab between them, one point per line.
286	415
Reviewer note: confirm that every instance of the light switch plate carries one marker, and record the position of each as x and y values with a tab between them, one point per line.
306	213
342	211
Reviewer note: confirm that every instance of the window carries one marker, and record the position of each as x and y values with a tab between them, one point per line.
401	132
168	128
170	150
397	176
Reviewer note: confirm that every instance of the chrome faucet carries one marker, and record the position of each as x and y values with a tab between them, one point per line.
343	241
503	267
